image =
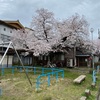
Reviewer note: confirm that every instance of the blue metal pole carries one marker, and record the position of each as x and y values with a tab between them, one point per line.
63	74
34	70
56	76
42	70
0	91
49	80
2	72
20	69
94	76
13	70
38	83
27	69
52	71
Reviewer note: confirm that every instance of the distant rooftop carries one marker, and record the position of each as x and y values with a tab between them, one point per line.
14	23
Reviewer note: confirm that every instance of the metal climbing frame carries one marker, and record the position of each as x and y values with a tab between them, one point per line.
54	72
11	44
50	73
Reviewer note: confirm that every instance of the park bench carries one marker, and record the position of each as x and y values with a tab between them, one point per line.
79	79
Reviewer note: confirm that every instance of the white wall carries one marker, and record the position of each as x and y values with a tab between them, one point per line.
96	59
4	63
10	60
9	31
71	62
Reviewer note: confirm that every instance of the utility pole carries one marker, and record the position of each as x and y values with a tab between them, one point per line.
98	95
92	30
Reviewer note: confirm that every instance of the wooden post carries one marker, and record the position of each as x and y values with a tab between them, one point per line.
93	85
87	92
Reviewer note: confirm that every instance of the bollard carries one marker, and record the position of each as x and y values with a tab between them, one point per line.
87	92
93	85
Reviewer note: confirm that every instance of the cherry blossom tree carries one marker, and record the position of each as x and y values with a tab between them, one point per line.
49	35
43	25
96	45
20	38
74	32
25	39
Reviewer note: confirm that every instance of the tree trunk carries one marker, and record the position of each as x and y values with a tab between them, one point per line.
74	55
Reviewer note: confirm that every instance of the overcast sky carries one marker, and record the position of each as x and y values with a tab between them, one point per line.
23	10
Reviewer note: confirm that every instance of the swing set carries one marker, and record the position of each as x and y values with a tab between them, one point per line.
53	71
9	45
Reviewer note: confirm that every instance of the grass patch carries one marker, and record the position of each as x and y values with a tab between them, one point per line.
17	87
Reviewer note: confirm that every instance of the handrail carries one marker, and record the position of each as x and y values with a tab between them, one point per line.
48	75
53	72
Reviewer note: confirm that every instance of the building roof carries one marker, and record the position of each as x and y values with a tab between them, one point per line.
29	28
82	54
16	23
4	23
13	24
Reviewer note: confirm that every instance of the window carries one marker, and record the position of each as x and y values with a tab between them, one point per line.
4	29
5	38
40	57
62	57
10	31
45	58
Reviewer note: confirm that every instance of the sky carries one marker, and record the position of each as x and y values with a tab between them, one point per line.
24	10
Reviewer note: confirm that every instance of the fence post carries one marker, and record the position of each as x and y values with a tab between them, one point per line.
13	70
2	71
20	69
26	69
42	70
63	74
38	83
52	71
34	70
56	76
48	79
94	76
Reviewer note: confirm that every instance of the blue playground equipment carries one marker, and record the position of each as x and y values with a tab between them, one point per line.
9	45
95	72
55	72
94	76
48	72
